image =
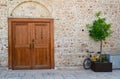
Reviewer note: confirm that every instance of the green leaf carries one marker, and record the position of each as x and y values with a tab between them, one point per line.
98	14
99	30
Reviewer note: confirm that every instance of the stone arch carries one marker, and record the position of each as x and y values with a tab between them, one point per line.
33	2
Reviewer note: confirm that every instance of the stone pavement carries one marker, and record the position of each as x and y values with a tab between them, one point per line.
58	74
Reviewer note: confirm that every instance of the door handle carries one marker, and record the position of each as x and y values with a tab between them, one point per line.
32	43
32	40
30	46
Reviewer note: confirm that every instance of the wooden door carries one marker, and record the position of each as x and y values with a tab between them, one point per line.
21	46
31	43
41	48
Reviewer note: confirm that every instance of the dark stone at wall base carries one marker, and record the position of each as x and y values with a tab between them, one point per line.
101	66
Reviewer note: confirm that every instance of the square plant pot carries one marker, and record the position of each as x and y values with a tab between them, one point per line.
101	66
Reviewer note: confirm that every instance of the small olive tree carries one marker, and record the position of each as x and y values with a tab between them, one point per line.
99	30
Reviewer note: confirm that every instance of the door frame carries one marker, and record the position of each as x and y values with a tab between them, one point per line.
10	37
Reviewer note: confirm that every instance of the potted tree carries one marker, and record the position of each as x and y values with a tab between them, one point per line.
99	30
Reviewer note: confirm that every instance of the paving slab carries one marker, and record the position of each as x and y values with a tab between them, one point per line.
58	74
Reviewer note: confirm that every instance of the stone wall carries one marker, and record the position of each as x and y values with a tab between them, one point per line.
70	17
3	33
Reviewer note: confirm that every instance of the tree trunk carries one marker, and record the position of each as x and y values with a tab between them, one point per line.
100	50
101	46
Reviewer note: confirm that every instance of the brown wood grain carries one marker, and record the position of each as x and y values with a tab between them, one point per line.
31	43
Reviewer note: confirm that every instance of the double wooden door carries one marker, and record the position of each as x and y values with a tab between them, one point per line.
31	43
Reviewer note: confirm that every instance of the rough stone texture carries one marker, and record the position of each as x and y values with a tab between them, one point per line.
3	33
70	17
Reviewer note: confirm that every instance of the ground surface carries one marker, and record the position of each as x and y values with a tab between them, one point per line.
58	74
